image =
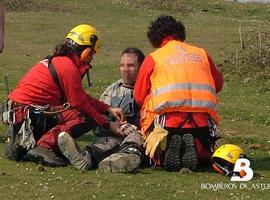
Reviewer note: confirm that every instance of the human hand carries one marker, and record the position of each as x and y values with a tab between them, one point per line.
128	129
115	128
117	113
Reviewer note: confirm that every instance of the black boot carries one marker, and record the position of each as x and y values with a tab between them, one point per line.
172	160
190	157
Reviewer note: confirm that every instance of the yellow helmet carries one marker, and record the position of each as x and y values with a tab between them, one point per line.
85	35
225	157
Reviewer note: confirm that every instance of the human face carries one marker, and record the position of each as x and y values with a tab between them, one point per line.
129	68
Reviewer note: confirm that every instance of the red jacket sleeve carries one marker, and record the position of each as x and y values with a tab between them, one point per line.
143	84
217	76
70	80
99	105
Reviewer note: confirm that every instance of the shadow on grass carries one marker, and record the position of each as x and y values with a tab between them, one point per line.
206	169
262	163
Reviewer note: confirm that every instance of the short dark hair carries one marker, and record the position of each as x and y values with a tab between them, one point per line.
164	26
63	50
68	47
138	52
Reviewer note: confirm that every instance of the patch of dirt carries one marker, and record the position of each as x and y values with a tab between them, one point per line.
255	146
4	174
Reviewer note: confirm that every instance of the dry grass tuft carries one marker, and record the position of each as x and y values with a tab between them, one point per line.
251	61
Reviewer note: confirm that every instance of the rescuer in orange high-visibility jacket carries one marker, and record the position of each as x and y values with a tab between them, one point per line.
176	87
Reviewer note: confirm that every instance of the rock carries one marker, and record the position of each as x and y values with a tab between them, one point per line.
185	171
41	168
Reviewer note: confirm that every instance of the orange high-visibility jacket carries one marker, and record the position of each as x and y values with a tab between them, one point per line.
180	82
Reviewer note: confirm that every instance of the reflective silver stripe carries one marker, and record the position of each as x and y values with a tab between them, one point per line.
184	86
186	102
160	119
78	36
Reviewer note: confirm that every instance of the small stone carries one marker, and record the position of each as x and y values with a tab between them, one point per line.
185	171
41	168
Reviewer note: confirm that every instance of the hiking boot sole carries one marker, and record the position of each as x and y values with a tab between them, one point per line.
172	160
39	158
73	153
120	162
190	157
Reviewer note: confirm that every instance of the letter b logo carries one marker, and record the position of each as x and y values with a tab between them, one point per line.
242	168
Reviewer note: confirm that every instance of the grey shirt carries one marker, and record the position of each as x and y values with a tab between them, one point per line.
118	95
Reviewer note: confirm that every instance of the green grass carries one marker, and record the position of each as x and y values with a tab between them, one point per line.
32	33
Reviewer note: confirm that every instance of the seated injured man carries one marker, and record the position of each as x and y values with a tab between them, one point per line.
110	152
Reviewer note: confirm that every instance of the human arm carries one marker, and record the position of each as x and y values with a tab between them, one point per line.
99	105
115	128
70	80
2	26
217	76
143	84
71	83
104	108
117	113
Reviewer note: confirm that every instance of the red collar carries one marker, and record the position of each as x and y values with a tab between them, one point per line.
166	40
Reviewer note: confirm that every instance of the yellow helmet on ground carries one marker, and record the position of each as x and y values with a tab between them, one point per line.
225	157
85	35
